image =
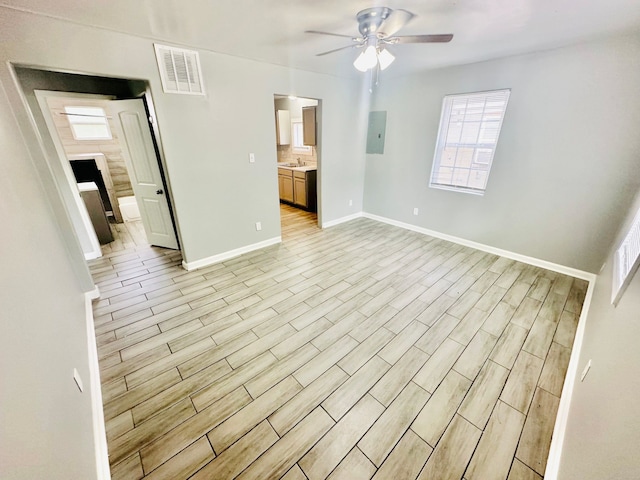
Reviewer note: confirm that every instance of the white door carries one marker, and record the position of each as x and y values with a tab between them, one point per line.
144	171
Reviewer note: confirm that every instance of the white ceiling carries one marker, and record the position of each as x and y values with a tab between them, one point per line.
273	30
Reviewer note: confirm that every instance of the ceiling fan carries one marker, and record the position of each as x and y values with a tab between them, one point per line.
378	27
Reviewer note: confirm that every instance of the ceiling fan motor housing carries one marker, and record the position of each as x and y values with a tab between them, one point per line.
370	19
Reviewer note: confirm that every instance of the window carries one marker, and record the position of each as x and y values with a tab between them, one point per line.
88	123
297	132
626	260
467	139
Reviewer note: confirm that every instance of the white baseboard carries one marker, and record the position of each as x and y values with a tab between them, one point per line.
93	295
338	221
221	257
92	255
562	417
99	431
536	262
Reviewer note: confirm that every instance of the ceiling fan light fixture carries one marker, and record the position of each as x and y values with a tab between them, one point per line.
367	59
385	58
378	27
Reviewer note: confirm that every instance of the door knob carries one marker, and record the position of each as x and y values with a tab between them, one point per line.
159	192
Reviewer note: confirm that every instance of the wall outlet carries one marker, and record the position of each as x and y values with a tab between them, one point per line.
585	371
258	226
351	203
415	211
252	158
76	377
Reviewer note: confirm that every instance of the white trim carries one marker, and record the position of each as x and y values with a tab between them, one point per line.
221	257
93	294
573	272
348	218
99	431
562	417
93	254
84	232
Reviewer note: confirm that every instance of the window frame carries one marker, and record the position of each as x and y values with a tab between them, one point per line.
442	143
73	117
626	260
301	149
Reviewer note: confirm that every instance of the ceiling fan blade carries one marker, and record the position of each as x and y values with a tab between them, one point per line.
443	38
336	50
317	32
394	22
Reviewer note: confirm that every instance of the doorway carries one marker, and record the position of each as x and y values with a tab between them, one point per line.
131	159
298	160
83	131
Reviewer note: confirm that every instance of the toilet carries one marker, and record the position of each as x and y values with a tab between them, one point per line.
129	208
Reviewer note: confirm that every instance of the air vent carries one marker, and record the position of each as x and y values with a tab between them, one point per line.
179	70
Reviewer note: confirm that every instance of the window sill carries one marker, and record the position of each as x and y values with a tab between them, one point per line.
451	188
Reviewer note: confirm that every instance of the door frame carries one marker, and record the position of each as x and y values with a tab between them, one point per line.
78	206
318	150
88	230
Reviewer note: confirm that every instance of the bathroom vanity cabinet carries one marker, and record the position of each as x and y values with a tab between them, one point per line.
298	187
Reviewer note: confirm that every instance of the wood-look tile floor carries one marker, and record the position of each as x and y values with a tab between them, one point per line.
126	235
356	352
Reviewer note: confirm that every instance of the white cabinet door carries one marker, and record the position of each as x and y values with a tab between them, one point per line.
283	127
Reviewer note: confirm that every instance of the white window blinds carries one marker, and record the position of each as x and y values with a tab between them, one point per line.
88	123
626	260
298	137
467	138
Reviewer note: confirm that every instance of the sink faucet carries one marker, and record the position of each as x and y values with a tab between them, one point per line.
299	161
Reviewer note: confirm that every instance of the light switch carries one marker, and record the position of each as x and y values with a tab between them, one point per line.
252	158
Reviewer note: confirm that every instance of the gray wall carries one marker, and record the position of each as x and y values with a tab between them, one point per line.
46	422
218	195
567	155
603	431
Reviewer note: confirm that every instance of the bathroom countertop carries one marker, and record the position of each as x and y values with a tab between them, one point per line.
301	168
